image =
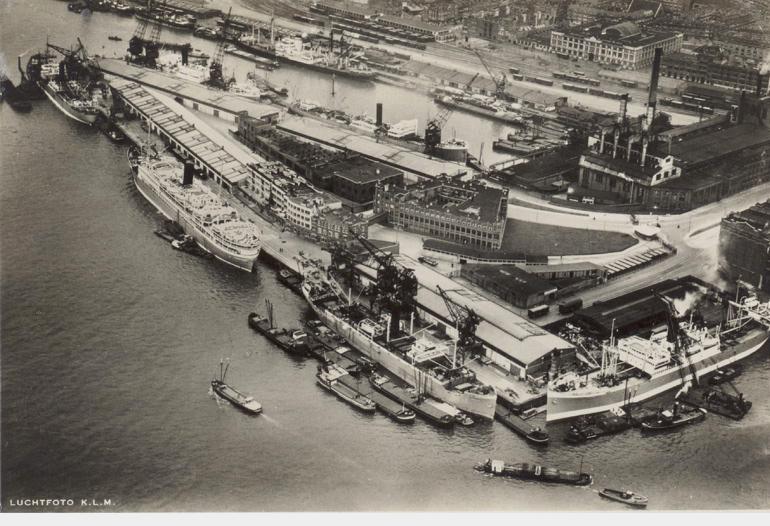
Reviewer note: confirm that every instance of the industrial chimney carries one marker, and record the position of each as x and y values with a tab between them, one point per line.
189	170
759	84
652	99
379	114
185	54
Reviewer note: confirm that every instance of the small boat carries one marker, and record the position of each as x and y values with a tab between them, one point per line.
532	434
293	341
536	472
115	135
402	415
165	235
327	377
672	419
238	399
726	374
116	38
463	419
626	497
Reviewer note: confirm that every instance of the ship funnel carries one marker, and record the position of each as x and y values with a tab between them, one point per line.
189	169
379	114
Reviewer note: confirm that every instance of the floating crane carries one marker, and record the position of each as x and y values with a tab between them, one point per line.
466	322
216	75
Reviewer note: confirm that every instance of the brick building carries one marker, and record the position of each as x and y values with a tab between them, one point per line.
744	246
623	45
464	213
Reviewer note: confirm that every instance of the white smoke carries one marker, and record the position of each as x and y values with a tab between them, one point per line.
764	67
691	298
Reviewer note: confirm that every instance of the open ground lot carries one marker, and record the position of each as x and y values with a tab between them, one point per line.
534	238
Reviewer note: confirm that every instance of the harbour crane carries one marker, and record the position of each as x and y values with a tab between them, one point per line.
396	286
216	75
500	82
466	322
144	50
433	129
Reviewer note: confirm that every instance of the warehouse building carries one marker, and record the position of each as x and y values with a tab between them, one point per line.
744	246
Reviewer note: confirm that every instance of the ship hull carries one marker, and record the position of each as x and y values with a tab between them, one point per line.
63	106
240	261
469	108
563	405
476	404
347	73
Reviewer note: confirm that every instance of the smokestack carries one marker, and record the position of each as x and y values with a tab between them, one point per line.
615	145
759	84
189	169
331	39
379	114
185	54
652	100
644	152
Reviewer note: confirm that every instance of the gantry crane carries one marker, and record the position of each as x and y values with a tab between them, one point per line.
466	322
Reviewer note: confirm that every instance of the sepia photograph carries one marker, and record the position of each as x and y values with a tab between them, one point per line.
443	257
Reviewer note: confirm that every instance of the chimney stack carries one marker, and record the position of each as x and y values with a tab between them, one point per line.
759	84
187	177
379	114
652	99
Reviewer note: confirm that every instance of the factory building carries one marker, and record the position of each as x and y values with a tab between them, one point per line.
623	45
644	161
744	246
463	213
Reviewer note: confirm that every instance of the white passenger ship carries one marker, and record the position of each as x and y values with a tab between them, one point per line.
205	216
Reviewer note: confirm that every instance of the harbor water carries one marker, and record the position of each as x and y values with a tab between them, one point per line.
110	339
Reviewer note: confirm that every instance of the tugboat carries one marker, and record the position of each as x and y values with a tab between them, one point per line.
626	497
535	472
241	401
674	418
328	376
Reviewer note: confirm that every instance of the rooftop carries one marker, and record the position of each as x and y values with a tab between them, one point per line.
511	278
711	146
193	134
360	170
758	217
623	34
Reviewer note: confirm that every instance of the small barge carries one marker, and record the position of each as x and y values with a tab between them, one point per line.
717	401
674	418
292	341
594	426
410	399
726	374
536	472
241	401
328	377
626	497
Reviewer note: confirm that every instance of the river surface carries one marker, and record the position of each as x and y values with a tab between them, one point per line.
110	338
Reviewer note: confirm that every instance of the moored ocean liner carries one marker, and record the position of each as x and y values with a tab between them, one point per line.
202	214
421	358
635	369
70	81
